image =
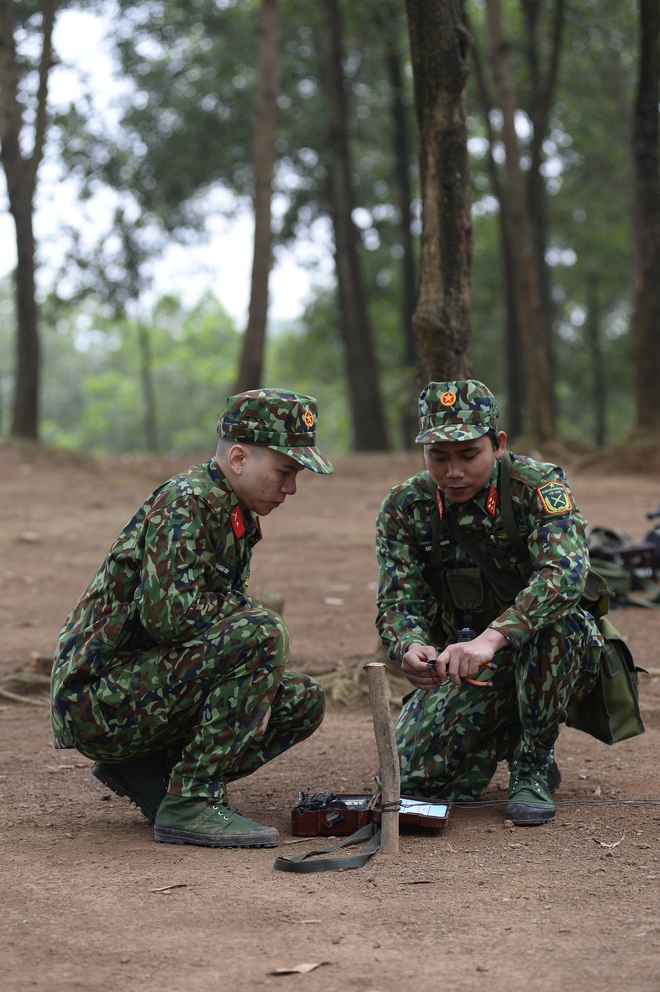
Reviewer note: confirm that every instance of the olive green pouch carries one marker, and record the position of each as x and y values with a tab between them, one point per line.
610	712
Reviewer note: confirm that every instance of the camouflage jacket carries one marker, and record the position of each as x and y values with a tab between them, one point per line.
547	519
181	561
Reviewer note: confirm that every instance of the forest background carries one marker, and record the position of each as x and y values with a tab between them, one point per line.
483	180
235	100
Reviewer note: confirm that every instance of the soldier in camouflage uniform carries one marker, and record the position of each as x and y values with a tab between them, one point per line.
487	628
167	672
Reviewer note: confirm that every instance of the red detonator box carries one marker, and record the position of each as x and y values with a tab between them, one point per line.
330	814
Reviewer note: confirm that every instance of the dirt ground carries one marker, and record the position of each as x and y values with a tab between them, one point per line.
90	902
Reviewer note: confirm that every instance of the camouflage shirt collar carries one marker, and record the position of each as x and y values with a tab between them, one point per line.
250	519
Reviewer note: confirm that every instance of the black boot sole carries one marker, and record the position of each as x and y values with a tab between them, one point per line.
528	816
170	835
121	787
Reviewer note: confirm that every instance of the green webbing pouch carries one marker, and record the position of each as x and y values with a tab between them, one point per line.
465	588
596	596
610	712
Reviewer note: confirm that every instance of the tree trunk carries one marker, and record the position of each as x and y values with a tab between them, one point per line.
21	175
543	84
128	292
596	352
402	156
440	50
646	342
265	120
369	428
25	414
515	383
148	392
537	370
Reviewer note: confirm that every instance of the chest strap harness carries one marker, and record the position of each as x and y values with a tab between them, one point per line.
506	584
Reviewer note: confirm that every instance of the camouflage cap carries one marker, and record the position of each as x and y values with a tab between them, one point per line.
279	419
459	410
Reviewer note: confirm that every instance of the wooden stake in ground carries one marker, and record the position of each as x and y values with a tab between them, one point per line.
388	756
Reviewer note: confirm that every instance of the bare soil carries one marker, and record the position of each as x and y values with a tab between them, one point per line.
90	902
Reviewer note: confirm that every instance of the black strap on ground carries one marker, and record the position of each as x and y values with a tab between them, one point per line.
298	863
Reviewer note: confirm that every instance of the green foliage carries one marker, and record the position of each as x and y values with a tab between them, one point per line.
93	396
589	183
186	129
308	357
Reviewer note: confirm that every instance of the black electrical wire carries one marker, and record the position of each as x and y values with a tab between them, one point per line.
568	802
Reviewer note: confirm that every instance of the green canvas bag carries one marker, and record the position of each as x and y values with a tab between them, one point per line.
610	712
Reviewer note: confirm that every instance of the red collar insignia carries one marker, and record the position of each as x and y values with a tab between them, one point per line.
237	522
441	505
491	501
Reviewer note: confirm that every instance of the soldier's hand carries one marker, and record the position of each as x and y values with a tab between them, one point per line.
463	660
415	666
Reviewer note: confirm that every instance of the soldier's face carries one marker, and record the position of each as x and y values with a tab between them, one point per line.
461	469
264	478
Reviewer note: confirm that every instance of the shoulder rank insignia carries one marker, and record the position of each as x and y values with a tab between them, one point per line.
555	497
237	522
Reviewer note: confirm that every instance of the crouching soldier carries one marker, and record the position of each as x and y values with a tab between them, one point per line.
483	561
167	673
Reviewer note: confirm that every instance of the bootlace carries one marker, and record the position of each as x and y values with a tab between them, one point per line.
529	778
224	810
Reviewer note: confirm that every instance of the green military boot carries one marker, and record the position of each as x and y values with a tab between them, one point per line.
209	823
143	781
529	797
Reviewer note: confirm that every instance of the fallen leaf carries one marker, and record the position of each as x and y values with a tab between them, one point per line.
604	843
298	969
29	537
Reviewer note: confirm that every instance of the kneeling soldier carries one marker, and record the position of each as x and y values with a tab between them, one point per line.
483	561
167	673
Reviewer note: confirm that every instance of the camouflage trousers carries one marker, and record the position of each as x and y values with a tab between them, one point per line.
450	739
209	695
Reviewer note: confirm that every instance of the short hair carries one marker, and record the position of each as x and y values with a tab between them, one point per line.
225	443
492	434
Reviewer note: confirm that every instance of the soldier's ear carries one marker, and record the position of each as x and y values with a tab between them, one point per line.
500	440
236	458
